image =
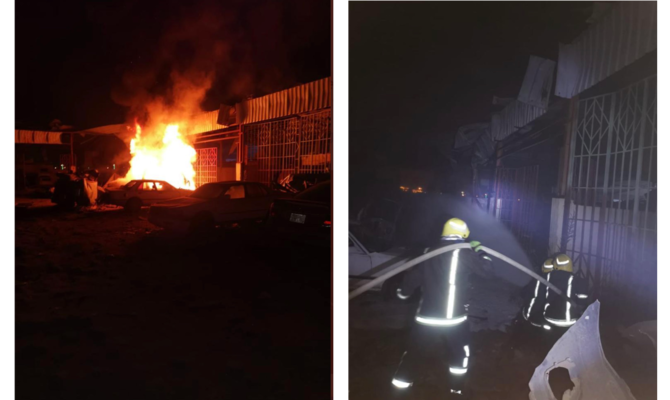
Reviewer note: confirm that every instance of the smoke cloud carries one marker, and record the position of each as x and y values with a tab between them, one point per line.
209	53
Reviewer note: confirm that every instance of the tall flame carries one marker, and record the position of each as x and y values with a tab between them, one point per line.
162	155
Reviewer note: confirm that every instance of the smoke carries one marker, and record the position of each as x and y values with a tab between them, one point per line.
172	83
208	53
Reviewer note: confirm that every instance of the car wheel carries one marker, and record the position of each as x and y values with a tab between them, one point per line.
133	205
202	223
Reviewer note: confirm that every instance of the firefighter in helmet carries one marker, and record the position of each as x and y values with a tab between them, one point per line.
441	320
559	313
533	309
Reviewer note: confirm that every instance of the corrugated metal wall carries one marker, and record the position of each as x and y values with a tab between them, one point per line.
300	99
621	37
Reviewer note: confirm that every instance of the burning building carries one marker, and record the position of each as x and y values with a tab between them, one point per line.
268	138
262	139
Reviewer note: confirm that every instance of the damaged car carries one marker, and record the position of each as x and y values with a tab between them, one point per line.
307	217
366	264
143	192
212	205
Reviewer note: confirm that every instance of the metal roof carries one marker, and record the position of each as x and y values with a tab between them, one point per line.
204	122
513	117
105	130
311	96
617	39
37	137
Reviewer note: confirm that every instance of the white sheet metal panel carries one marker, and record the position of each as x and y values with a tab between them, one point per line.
37	137
513	117
618	39
537	82
580	351
311	96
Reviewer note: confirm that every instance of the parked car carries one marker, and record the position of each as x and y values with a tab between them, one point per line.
143	192
213	204
365	265
307	217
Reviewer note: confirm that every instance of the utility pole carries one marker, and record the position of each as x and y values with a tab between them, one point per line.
72	162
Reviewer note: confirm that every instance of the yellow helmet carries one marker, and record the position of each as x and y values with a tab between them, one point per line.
563	263
548	266
456	227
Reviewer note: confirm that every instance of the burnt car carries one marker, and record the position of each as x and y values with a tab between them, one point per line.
212	205
307	217
143	192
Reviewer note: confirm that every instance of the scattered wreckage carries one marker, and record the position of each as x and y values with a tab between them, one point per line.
580	351
73	190
296	183
495	303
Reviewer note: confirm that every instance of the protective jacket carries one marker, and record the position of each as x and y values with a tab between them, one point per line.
535	297
444	282
558	311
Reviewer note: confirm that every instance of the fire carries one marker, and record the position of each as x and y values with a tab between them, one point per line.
162	154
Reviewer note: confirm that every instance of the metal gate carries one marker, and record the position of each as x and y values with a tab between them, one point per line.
316	143
205	166
514	204
300	144
609	226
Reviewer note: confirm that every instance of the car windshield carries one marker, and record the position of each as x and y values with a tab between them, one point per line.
208	192
319	192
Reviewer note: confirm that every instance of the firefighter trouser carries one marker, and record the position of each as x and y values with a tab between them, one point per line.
450	344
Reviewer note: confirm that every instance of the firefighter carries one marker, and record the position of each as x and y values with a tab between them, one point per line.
441	319
558	312
533	310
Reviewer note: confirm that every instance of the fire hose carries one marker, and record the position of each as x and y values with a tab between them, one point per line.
369	285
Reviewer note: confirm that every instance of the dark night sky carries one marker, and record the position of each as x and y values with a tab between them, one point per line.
419	71
72	58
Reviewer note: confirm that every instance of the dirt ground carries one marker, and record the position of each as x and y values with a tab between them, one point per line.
110	307
501	364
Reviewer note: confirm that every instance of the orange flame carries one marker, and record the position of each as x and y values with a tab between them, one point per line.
162	154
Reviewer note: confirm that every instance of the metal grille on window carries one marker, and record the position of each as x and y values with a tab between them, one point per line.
298	145
315	143
205	166
609	226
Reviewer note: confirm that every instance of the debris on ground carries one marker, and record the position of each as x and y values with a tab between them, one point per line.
493	305
580	352
107	207
27	203
642	332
